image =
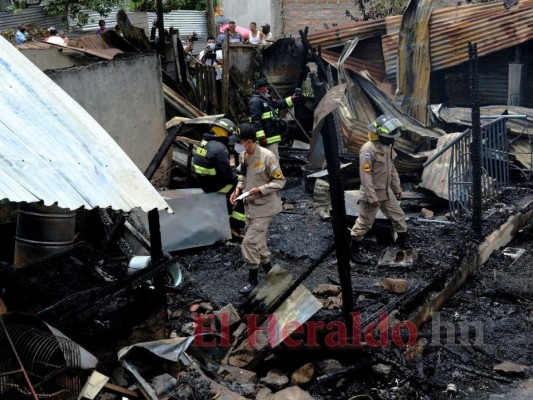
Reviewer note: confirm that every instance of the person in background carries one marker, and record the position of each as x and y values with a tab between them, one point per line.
118	31
212	56
21	34
380	184
264	115
268	38
101	27
256	37
55	38
233	35
260	176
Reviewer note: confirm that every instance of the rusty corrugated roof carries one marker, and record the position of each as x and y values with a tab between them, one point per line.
490	25
53	150
343	32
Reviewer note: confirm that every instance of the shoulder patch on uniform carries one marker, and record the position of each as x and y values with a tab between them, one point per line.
366	167
277	174
368	156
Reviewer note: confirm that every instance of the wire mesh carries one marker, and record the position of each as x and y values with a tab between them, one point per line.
46	358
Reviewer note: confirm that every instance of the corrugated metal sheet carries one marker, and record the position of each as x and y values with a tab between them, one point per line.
53	150
343	32
187	21
31	15
463	116
490	25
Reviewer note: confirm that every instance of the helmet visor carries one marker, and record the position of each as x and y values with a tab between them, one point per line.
390	126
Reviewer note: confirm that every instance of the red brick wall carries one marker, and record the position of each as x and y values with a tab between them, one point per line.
297	14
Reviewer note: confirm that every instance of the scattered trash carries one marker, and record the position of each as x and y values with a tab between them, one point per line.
395	257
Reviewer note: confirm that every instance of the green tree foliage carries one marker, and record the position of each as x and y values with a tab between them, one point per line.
73	8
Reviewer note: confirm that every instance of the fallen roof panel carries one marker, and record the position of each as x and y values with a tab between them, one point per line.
53	150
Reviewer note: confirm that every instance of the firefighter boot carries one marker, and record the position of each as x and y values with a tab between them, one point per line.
357	256
267	267
252	282
402	240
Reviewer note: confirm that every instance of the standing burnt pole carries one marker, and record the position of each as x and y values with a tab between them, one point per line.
338	218
476	139
160	28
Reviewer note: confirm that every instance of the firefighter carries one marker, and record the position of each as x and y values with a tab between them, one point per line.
214	172
264	115
380	184
260	177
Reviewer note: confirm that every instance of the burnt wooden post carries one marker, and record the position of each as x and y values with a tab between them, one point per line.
338	218
160	28
476	140
156	246
163	150
210	4
225	76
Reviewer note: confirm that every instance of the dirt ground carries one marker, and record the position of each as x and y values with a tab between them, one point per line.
494	308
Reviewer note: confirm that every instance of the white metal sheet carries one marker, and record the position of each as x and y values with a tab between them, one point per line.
51	149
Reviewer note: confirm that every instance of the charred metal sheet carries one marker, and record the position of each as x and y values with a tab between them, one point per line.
206	225
521	149
463	115
282	65
435	175
490	25
413	62
54	151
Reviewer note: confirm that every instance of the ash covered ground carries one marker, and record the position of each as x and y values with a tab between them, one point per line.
494	308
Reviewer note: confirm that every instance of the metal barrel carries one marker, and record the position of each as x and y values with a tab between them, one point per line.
42	231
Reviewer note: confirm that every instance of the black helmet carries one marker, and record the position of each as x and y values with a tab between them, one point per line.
261	82
386	126
228	127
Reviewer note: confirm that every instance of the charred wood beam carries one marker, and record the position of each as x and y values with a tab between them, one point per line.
181	62
163	150
156	245
481	373
113	228
304	67
160	28
321	69
476	140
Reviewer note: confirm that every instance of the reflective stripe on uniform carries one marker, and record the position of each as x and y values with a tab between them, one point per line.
274	139
289	102
260	134
204	171
266	115
238	216
225	189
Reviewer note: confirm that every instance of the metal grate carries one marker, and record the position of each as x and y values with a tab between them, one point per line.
35	364
495	165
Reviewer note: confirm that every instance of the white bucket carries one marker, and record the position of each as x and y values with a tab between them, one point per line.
137	263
